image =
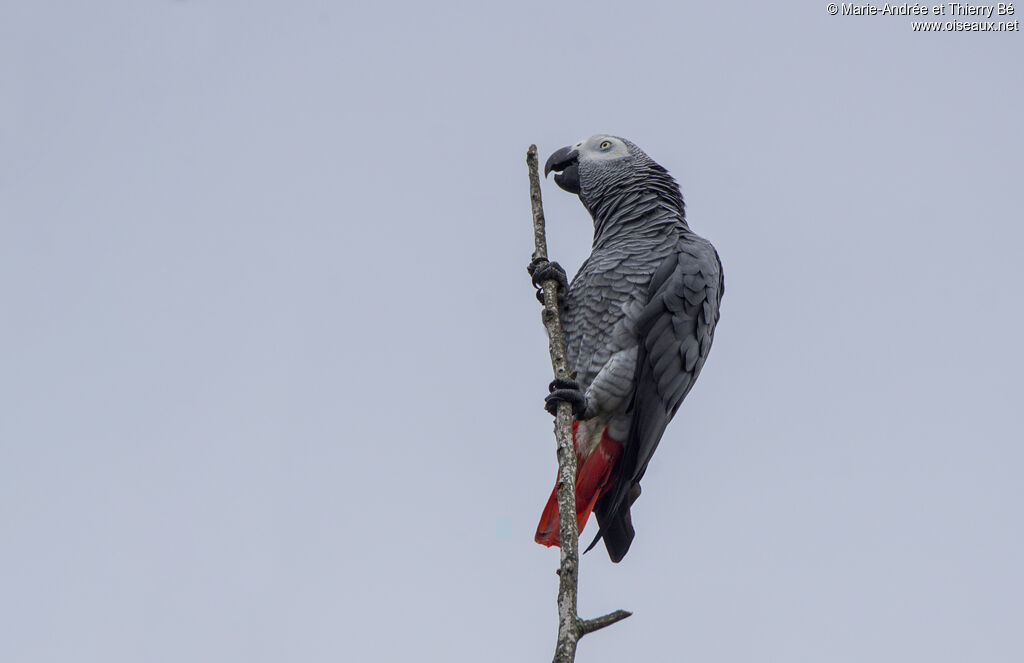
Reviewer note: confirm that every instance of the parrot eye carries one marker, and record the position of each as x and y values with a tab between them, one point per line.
606	144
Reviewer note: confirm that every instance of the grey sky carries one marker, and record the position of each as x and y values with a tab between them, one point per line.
272	370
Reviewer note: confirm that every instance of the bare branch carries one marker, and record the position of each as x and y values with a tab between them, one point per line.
591	625
570	627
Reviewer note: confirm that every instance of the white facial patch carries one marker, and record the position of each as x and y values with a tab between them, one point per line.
601	148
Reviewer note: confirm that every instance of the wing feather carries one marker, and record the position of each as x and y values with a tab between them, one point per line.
675	331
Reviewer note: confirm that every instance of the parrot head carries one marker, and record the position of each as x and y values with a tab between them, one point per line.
599	168
593	166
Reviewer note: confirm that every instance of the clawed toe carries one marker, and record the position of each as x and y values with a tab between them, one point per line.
565	391
563	383
541	270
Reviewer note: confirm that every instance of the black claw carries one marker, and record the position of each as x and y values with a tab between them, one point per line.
546	271
563	383
542	270
534	264
573	397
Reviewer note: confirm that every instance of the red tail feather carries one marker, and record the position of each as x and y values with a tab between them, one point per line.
594	476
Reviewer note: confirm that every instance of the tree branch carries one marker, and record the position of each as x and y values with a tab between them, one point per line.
591	625
570	627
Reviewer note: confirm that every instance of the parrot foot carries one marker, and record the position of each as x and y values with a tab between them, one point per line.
541	269
565	391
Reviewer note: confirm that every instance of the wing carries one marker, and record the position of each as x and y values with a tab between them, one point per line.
675	332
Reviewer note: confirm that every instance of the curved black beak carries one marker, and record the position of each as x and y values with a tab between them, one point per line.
565	163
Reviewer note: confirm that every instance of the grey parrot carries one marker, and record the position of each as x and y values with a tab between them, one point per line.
638	318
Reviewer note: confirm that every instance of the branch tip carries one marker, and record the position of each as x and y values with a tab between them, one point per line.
590	625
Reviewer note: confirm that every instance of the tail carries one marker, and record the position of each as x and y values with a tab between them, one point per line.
595	475
616	525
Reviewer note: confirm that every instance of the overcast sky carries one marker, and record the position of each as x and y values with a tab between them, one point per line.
271	369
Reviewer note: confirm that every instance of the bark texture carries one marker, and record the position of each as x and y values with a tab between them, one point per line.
570	627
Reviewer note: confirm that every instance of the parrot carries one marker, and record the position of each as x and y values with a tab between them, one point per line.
638	318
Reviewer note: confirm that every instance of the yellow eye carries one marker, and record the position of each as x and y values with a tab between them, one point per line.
606	144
